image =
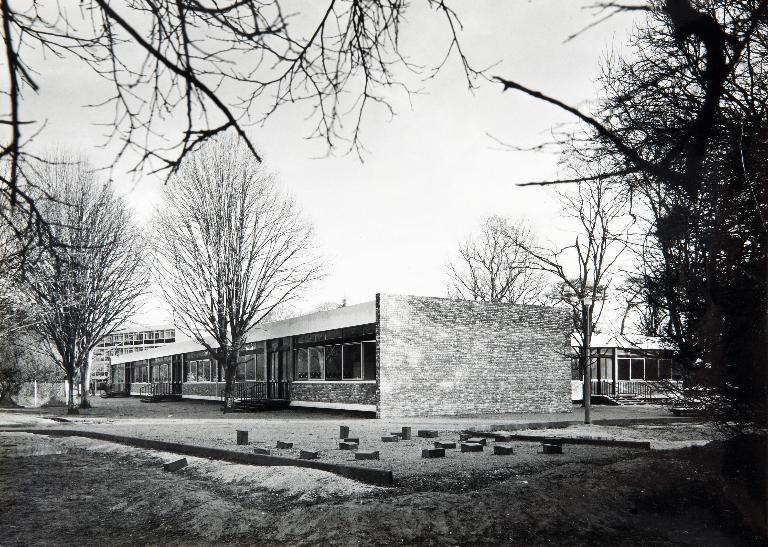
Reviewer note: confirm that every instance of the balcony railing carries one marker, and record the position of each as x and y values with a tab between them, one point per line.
644	389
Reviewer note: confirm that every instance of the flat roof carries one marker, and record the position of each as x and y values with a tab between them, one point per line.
347	316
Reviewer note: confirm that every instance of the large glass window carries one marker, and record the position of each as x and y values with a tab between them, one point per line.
352	362
369	360
651	369
205	364
316	359
665	369
333	362
301	362
623	365
637	369
240	372
261	368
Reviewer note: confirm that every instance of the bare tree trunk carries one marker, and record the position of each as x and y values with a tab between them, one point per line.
229	381
85	376
71	408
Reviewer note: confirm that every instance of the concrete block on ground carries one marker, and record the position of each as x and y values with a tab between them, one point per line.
553	440
464	436
397	434
175	465
390	438
478	440
446	445
282	444
355	440
347	446
406	433
242	437
471	447
367	455
309	455
343	432
502	437
262	451
551	448
503	449
427	433
433	453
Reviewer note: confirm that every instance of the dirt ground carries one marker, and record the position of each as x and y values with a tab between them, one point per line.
67	491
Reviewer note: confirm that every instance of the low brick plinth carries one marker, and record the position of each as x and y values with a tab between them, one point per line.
367	455
503	450
283	444
355	440
433	453
242	437
502	437
309	455
552	448
262	451
390	438
471	447
553	440
406	433
343	431
427	433
445	445
348	446
175	465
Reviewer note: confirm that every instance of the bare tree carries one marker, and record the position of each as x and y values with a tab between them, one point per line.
494	267
231	246
83	289
214	66
584	270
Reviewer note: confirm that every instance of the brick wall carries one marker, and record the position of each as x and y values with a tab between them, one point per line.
438	356
206	389
362	393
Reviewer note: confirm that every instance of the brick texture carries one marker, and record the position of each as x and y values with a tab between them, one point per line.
328	392
447	357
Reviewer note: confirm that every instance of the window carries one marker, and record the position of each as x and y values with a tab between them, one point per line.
205	376
301	360
169	334
606	368
637	369
369	360
352	362
316	360
665	369
623	365
651	369
261	367
333	362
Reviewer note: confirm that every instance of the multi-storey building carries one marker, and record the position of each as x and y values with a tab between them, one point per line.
124	342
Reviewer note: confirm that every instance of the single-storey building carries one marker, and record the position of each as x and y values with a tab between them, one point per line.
396	356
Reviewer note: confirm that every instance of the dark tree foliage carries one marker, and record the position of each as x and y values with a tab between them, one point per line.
695	100
684	127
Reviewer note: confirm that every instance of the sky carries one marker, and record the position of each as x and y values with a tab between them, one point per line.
432	173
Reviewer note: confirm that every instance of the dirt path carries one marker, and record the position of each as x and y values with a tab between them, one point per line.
67	492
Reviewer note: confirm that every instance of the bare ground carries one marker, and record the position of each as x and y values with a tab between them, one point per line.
57	491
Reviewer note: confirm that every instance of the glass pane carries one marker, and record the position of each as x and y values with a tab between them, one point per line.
240	373
301	360
316	359
250	368
352	362
206	374
369	361
651	369
333	362
623	365
665	369
261	369
638	372
606	368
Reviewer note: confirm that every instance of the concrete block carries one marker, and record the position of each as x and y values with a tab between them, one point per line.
553	440
464	436
309	455
262	451
551	448
367	455
355	440
347	446
343	432
242	437
446	445
433	453
281	444
427	433
471	447
502	437
175	465
478	440
503	449
390	438
406	433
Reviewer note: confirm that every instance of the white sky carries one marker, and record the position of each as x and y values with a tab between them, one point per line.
391	223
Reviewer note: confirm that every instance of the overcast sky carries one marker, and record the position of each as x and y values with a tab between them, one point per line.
390	223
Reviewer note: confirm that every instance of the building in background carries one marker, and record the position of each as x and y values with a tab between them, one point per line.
124	342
